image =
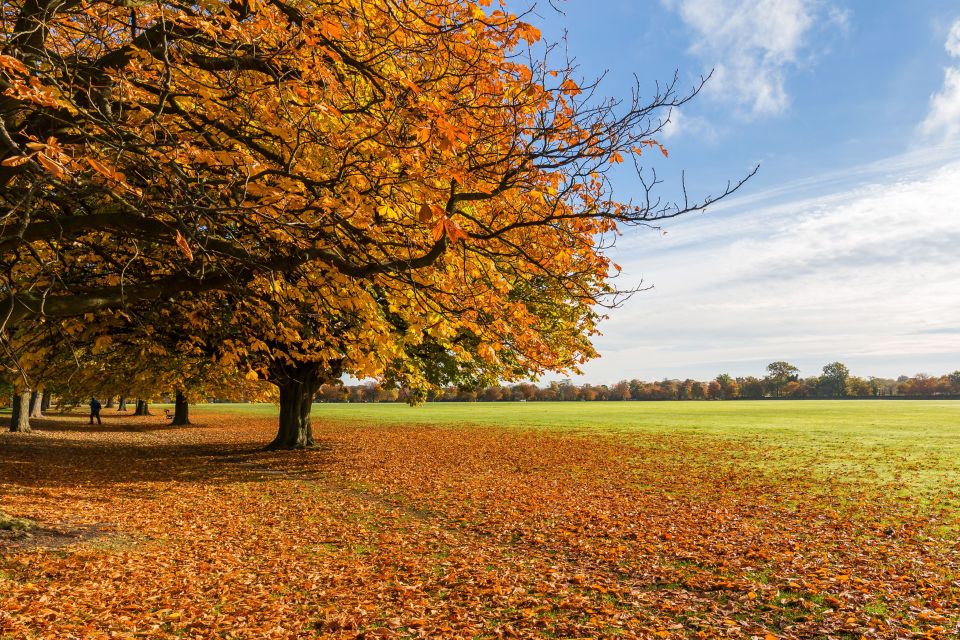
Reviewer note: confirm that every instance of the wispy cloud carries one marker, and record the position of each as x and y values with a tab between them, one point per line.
943	119
867	274
751	44
681	124
953	39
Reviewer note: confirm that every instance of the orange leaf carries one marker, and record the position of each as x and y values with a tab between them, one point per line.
438	230
100	168
14	161
50	165
184	247
570	87
454	232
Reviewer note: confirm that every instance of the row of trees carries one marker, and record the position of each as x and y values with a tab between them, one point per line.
782	381
201	196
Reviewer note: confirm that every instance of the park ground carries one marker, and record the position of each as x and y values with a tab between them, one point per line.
764	520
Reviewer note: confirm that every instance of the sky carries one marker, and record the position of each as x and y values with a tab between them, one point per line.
846	244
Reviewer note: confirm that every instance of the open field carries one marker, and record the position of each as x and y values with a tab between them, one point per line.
910	446
581	520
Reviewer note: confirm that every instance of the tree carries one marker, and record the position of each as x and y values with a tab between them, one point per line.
834	379
954	381
751	387
181	409
20	411
729	388
393	168
315	146
779	373
714	390
620	391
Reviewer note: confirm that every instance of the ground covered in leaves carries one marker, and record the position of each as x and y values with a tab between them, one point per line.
140	530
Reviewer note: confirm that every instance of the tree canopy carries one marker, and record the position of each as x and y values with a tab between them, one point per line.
411	189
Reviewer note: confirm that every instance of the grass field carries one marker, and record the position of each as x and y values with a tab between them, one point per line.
753	520
913	444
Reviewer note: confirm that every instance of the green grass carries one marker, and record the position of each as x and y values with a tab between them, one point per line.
915	443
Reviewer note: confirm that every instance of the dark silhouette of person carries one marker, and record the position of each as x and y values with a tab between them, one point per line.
95	410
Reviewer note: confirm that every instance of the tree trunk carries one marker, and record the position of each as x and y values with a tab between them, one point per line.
46	400
181	410
122	404
20	414
109	404
143	409
298	386
36	401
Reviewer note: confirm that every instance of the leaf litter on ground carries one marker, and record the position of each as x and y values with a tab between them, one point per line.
462	532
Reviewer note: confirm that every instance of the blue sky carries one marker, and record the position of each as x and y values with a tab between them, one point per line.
846	245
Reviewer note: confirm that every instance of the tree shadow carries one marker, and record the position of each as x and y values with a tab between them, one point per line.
82	424
129	452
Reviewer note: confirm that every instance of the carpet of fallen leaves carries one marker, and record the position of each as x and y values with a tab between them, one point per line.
149	531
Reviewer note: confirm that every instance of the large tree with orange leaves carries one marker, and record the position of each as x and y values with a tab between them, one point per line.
367	187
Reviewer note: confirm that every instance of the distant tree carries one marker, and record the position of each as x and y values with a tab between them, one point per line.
779	373
493	393
834	380
954	379
527	391
858	387
333	393
793	389
714	390
920	385
729	388
698	391
669	389
568	391
620	391
751	387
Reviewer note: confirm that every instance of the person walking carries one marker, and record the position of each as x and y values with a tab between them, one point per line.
95	410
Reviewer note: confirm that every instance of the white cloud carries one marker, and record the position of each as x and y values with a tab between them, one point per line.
944	116
867	275
943	119
751	43
953	40
681	124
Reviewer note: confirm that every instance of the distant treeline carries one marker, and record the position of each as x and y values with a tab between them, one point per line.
782	381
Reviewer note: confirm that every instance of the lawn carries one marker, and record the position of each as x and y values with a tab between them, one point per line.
909	446
764	520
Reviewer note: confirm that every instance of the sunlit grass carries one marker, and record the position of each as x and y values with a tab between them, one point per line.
908	445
